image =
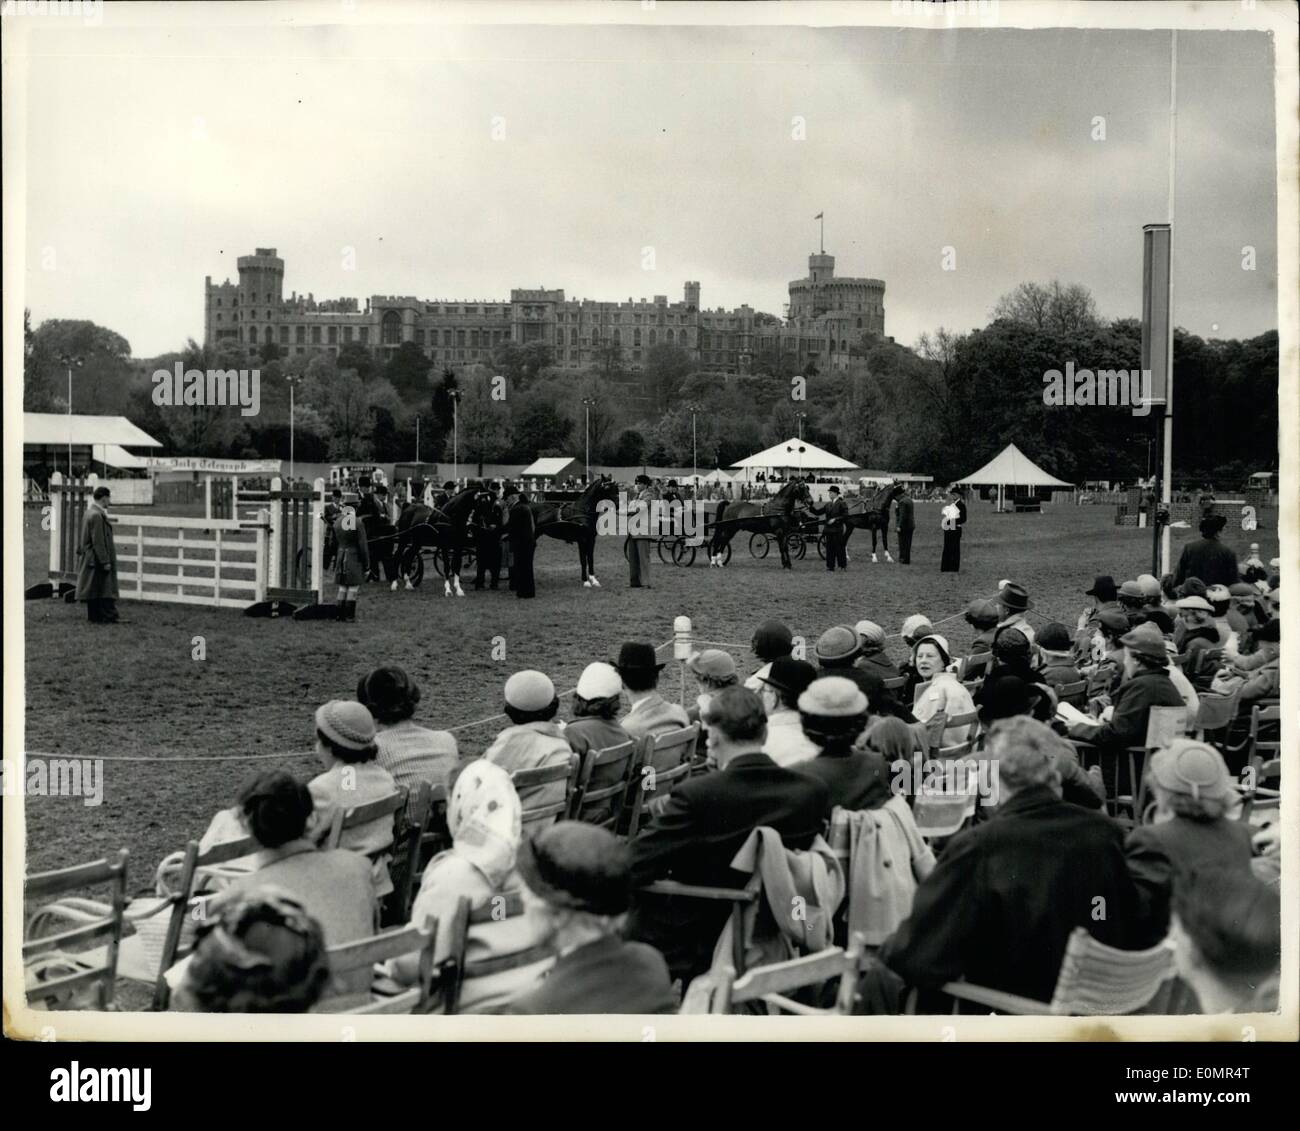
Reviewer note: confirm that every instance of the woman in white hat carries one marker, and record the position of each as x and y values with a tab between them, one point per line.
932	662
534	740
597	701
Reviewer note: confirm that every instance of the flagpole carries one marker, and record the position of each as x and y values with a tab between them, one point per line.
1166	492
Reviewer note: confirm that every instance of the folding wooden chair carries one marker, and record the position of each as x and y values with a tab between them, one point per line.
959	749
773	983
359	815
1163	725
1265	764
182	901
894	683
57	972
1096	980
941	812
740	898
665	762
538	816
408	836
1214	713
976	664
364	953
603	804
454	971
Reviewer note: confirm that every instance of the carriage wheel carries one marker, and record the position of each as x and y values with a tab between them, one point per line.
412	565
796	546
683	553
759	544
666	550
821	546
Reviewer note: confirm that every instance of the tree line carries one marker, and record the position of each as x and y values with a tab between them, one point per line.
942	407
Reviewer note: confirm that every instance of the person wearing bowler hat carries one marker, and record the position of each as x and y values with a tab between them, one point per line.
97	567
1207	558
954	518
837	517
639	541
785	681
534	741
577	887
771	641
1013	602
1193	795
650	712
521	534
1105	596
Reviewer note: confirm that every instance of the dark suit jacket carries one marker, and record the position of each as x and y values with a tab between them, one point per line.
606	976
1005	896
905	515
704	822
1210	560
856	780
1158	854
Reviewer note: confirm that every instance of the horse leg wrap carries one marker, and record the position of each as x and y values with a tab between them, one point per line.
887	557
459	591
595	583
587	584
393	587
873	556
446	588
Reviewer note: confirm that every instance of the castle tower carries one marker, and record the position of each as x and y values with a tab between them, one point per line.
821	267
261	281
691	295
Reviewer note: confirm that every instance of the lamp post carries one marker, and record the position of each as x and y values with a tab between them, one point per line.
695	456
454	394
417	437
801	417
71	362
586	431
292	379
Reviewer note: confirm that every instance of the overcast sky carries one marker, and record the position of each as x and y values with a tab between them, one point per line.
155	158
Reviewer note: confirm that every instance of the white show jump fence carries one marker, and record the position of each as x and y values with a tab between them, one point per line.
226	562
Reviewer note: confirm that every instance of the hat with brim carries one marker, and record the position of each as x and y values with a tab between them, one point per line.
833	697
1192	587
1213	523
837	644
1149	584
1103	587
1009	695
1241	589
577	866
1199	603
1015	598
712	663
1132	591
636	657
982	613
789	675
1193	768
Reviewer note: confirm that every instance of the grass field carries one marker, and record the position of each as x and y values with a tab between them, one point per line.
135	690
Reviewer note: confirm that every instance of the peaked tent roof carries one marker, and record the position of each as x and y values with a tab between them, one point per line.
788	455
60	428
718	476
552	467
1012	468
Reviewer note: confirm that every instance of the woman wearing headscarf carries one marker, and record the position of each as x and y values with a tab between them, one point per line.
483	817
932	661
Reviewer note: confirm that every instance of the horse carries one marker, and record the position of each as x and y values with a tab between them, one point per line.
873	514
771	516
576	522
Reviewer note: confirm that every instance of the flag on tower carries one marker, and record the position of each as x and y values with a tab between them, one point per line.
818	216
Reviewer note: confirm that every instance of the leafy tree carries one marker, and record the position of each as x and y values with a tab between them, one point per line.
628	450
539	426
408	371
483	419
665	371
1057	308
607	358
100	386
361	358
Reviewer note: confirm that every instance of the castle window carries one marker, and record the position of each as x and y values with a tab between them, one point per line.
392	328
618	338
419	337
573	336
364	332
284	335
460	340
334	336
218	317
668	337
347	333
300	335
636	335
315	335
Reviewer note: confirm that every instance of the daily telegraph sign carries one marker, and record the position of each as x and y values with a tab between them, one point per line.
217	466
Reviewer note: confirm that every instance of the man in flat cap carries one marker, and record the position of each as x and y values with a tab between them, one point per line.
577	886
97	568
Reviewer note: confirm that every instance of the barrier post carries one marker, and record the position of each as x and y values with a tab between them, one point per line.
259	555
317	539
56	523
682	649
274	517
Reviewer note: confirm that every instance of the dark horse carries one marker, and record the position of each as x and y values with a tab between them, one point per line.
873	514
576	522
772	516
445	528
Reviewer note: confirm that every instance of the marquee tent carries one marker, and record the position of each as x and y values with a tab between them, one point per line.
1012	468
796	455
720	476
553	467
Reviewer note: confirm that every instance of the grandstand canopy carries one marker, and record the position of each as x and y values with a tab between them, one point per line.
1012	468
554	467
798	455
77	428
119	457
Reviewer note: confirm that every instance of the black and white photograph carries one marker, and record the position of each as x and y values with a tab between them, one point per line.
651	521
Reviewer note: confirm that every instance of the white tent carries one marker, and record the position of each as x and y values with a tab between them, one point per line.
116	456
58	428
720	476
553	467
1012	468
798	455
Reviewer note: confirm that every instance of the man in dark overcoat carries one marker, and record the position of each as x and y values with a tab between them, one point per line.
97	563
905	524
521	533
